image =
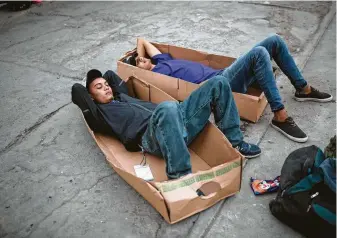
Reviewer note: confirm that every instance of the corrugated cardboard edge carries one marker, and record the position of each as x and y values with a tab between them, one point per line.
206	207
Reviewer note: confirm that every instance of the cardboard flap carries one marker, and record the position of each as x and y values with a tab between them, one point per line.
141	89
168	84
185	89
212	145
155	94
262	96
247	106
158	96
163	48
219	61
244	98
124	70
182	196
188	54
106	149
129	85
150	193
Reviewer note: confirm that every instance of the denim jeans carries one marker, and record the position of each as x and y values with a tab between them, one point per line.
173	126
256	66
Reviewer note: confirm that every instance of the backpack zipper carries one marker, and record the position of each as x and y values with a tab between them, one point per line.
312	197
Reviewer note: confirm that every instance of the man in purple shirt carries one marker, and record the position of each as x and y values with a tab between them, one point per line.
247	69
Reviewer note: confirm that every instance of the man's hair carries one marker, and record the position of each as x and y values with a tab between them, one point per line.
91	76
131	59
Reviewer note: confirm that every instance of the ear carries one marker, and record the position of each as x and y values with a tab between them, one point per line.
92	98
90	95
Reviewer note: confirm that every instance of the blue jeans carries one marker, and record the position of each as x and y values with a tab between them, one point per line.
256	66
173	126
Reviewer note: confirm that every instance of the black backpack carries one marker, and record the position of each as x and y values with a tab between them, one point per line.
306	200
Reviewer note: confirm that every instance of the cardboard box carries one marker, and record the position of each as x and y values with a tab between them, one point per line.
216	167
250	105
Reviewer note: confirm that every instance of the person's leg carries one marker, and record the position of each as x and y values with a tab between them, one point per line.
255	65
166	136
278	50
216	95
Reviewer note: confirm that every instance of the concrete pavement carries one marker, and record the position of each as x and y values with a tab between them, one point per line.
54	181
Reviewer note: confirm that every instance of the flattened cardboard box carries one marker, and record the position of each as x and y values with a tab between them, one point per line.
250	105
216	167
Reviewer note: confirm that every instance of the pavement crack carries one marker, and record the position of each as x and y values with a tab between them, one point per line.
264	132
27	131
214	218
272	5
30	39
23	168
193	223
43	69
158	229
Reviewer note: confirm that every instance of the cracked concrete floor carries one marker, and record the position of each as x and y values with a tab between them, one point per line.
54	181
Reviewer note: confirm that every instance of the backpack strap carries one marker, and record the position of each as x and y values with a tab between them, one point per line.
325	213
328	171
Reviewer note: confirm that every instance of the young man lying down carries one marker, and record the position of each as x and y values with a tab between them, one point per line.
253	66
168	128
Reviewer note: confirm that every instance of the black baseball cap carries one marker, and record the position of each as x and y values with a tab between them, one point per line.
91	76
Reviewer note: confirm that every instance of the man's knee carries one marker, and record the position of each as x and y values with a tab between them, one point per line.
261	52
276	38
167	108
276	41
220	81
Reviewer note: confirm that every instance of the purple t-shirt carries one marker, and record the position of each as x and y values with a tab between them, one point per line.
183	69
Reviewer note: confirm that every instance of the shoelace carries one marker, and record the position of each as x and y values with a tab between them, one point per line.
314	90
291	122
243	148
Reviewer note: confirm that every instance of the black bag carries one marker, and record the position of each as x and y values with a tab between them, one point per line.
306	200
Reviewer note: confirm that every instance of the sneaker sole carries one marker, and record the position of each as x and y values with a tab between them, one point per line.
301	140
252	156
313	99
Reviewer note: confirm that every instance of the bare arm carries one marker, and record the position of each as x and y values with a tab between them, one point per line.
145	47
